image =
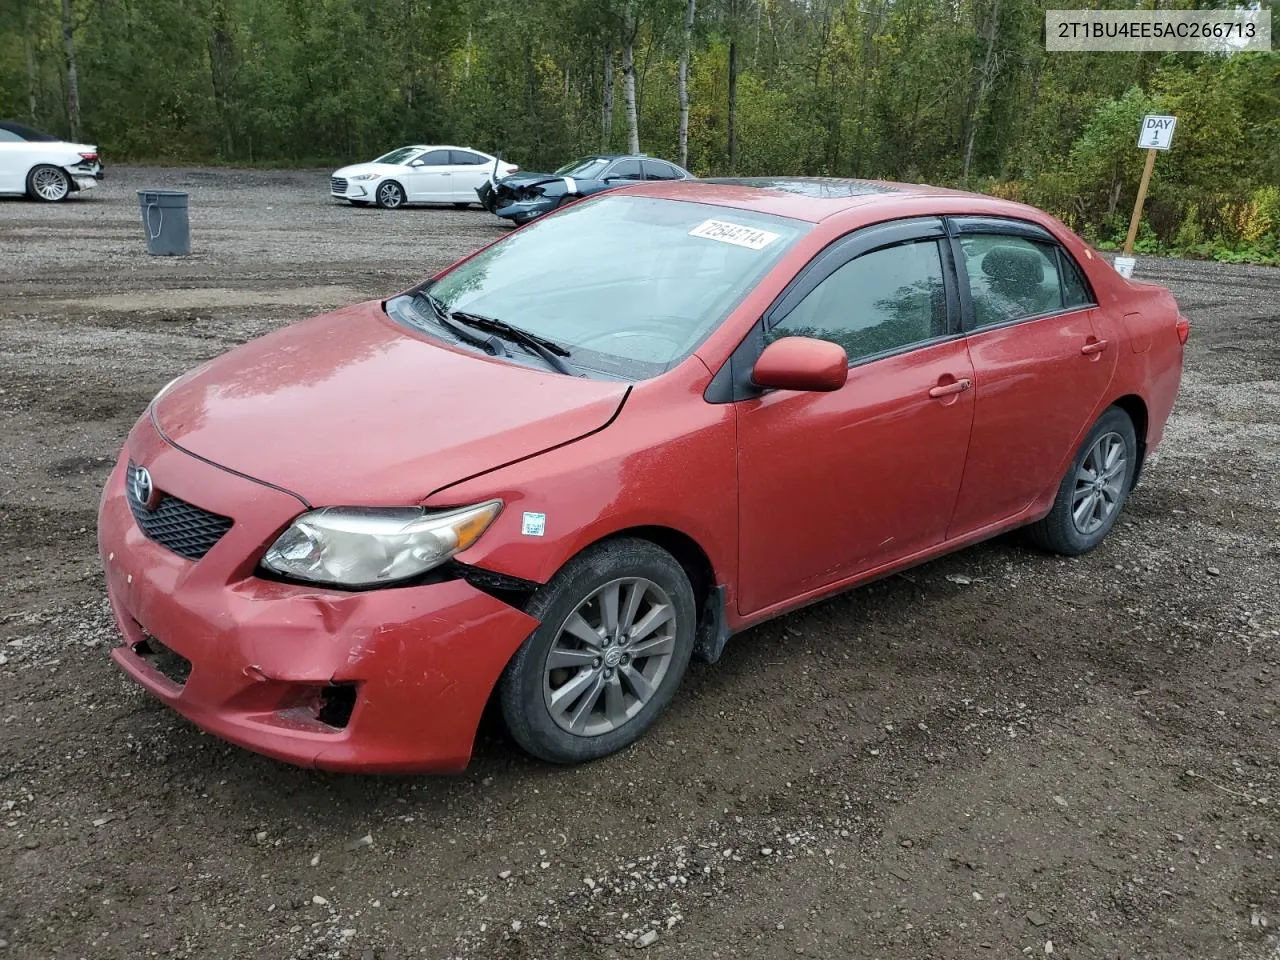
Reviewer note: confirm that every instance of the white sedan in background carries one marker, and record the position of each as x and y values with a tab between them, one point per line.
42	166
419	174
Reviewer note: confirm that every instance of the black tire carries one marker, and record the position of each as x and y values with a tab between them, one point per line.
390	195
521	689
48	183
1059	532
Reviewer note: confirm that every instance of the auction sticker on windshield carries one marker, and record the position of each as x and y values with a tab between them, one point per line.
736	233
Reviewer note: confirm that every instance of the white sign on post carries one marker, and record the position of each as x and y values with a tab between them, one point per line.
1157	132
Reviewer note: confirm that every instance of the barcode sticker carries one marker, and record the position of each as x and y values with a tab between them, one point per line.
735	233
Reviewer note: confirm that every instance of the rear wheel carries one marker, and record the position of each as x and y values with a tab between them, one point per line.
48	183
390	195
1095	489
616	634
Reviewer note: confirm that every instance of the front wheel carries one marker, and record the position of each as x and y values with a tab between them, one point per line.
1095	489
48	183
390	195
617	629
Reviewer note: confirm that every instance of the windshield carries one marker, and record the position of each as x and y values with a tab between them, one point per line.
630	285
398	156
585	169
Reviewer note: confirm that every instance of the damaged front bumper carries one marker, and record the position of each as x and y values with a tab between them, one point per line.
391	680
519	204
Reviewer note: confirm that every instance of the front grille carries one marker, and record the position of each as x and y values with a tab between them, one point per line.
337	185
182	527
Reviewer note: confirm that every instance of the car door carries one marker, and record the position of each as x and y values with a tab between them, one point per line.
429	177
469	170
1043	357
833	485
13	162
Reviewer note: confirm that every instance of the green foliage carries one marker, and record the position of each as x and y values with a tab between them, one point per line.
956	92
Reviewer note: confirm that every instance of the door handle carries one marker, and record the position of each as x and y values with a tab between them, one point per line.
1093	346
947	389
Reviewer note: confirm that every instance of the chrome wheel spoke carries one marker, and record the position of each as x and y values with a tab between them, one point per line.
1084	512
655	618
586	703
579	628
653	647
609	609
630	607
564	696
615	701
641	684
561	657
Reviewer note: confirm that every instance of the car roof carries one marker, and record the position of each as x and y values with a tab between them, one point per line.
27	133
438	146
816	198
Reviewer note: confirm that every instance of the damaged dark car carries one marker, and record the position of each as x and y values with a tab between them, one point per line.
523	197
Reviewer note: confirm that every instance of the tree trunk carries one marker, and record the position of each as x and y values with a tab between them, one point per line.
629	81
684	83
978	96
606	103
733	106
31	76
73	79
222	67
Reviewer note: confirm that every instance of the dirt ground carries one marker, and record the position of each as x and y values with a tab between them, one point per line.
1000	753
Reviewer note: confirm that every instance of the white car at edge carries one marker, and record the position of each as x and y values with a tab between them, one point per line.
418	174
42	166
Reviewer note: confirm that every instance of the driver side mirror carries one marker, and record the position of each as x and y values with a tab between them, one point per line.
802	363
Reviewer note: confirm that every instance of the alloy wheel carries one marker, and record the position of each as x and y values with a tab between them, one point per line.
609	657
50	184
390	195
1099	483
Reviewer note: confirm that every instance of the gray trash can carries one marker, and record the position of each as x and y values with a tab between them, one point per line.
164	216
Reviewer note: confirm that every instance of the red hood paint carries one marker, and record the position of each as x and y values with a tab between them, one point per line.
350	408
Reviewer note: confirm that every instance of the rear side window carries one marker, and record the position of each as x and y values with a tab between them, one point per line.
435	158
1075	291
879	302
8	136
465	158
625	169
657	170
1010	278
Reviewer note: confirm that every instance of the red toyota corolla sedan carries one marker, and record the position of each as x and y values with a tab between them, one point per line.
606	443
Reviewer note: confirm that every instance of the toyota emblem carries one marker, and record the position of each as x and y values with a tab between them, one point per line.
141	487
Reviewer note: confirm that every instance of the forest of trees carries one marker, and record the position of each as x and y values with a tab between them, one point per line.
957	92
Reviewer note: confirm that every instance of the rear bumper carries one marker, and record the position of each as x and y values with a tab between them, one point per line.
263	656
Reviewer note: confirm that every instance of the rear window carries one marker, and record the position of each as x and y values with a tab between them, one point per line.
631	285
20	131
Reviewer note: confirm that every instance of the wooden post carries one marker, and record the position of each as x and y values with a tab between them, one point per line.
1137	204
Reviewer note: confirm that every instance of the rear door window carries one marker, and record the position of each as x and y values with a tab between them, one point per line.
1010	278
659	170
1075	290
465	158
434	158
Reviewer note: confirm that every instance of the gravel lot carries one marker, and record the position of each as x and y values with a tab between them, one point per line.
1000	753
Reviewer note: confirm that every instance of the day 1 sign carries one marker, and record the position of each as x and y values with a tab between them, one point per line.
1157	132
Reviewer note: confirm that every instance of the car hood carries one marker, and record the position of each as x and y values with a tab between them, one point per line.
350	408
381	169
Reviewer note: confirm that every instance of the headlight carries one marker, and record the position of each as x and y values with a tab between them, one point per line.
371	546
363	176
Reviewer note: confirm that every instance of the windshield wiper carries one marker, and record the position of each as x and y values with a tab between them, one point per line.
548	350
445	319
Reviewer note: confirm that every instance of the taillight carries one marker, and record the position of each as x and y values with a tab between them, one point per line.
514	169
1183	326
89	157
